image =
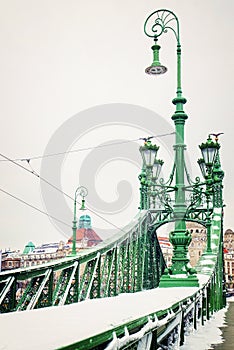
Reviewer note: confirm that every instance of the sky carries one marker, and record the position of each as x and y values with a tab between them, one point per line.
72	78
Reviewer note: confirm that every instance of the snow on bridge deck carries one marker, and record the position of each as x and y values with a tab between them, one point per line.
54	327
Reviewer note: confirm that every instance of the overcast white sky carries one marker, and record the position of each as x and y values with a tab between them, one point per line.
59	58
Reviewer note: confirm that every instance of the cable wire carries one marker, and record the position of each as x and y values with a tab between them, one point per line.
86	149
32	206
58	189
32	171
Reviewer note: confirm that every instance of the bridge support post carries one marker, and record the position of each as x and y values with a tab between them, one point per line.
208	303
182	327
203	311
195	315
12	299
154	341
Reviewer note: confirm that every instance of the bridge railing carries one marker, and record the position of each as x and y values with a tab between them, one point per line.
167	328
129	261
161	328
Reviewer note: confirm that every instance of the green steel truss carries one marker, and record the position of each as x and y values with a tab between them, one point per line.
167	329
128	262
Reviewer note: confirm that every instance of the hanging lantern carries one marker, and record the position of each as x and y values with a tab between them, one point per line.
157	166
209	151
156	67
202	166
148	153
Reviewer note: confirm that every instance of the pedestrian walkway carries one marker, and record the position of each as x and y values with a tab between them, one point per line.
228	330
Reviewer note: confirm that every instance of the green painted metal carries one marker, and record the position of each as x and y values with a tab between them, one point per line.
155	49
180	237
80	191
188	198
166	325
114	257
128	262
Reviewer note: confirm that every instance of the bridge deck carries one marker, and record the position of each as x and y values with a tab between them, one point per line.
55	327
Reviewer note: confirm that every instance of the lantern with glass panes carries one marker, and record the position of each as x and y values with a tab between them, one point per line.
149	176
209	152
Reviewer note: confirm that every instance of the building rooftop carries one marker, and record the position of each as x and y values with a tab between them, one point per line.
89	235
28	248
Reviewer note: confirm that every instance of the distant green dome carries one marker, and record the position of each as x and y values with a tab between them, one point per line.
85	221
29	248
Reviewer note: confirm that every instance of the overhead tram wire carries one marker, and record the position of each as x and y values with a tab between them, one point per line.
58	189
86	148
32	206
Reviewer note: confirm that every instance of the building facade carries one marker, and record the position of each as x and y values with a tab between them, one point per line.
198	243
44	253
228	247
86	238
10	260
167	249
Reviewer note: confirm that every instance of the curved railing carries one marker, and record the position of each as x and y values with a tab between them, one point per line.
166	328
129	261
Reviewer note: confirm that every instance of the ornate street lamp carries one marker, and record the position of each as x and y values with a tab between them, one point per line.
202	166
157	166
208	169
80	191
148	153
207	176
150	171
179	274
209	151
188	203
156	68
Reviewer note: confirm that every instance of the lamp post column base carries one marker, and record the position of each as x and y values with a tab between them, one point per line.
168	281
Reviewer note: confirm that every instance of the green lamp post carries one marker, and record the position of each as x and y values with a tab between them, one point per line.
83	192
157	166
209	152
149	153
208	190
180	273
150	172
